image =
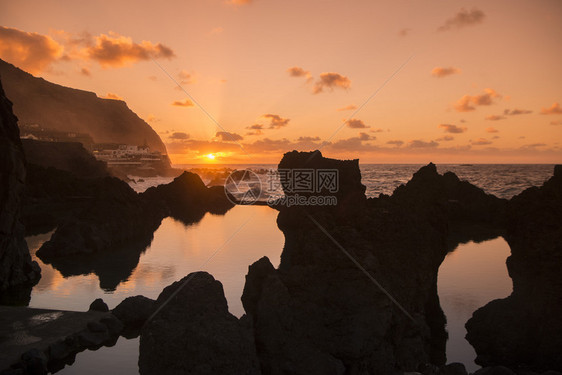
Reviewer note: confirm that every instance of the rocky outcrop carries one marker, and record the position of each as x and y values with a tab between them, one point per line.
188	199
525	329
115	217
65	156
16	267
322	312
193	332
133	312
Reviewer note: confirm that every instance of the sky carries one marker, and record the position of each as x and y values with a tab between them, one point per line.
243	81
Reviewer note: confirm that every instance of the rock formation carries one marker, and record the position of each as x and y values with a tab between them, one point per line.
16	266
193	332
524	330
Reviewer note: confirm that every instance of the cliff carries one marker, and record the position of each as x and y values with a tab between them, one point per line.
37	101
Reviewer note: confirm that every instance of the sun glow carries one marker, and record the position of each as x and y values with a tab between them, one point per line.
210	156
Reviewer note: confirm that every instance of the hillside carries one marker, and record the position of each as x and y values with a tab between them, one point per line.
62	108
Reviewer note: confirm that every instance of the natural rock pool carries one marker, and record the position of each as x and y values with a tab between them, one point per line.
469	277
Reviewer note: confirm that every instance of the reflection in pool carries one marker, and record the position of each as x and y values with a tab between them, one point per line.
470	277
239	238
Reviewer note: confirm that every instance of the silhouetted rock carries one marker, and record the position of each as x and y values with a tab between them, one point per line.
66	156
134	311
16	267
98	305
525	329
320	314
116	216
188	199
194	333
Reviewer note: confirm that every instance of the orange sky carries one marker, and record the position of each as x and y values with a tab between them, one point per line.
449	81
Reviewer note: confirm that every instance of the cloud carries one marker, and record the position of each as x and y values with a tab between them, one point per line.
308	139
185	103
556	123
356	124
85	72
366	137
297	71
396	143
330	81
256	129
554	109
238	2
347	108
184	78
216	31
480	142
113	96
377	130
491	130
276	121
417	143
444	72
404	32
468	103
515	112
179	136
152	118
446	138
115	50
228	137
153	78
449	128
31	52
495	117
462	19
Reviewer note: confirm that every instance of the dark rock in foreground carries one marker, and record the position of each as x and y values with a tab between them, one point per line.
525	329
16	267
188	199
193	333
133	312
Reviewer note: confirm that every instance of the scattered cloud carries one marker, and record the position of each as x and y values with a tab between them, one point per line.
228	137
396	143
31	52
153	78
444	72
446	138
556	123
184	78
179	136
462	19
515	112
491	130
308	139
355	124
297	71
184	103
533	146
379	130
256	129
113	50
495	117
417	143
239	2
151	118
450	128
216	31
330	81
347	108
480	142
85	72
468	103
404	32
276	121
366	137
554	109
113	96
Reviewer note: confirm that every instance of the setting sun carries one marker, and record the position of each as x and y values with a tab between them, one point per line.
210	156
